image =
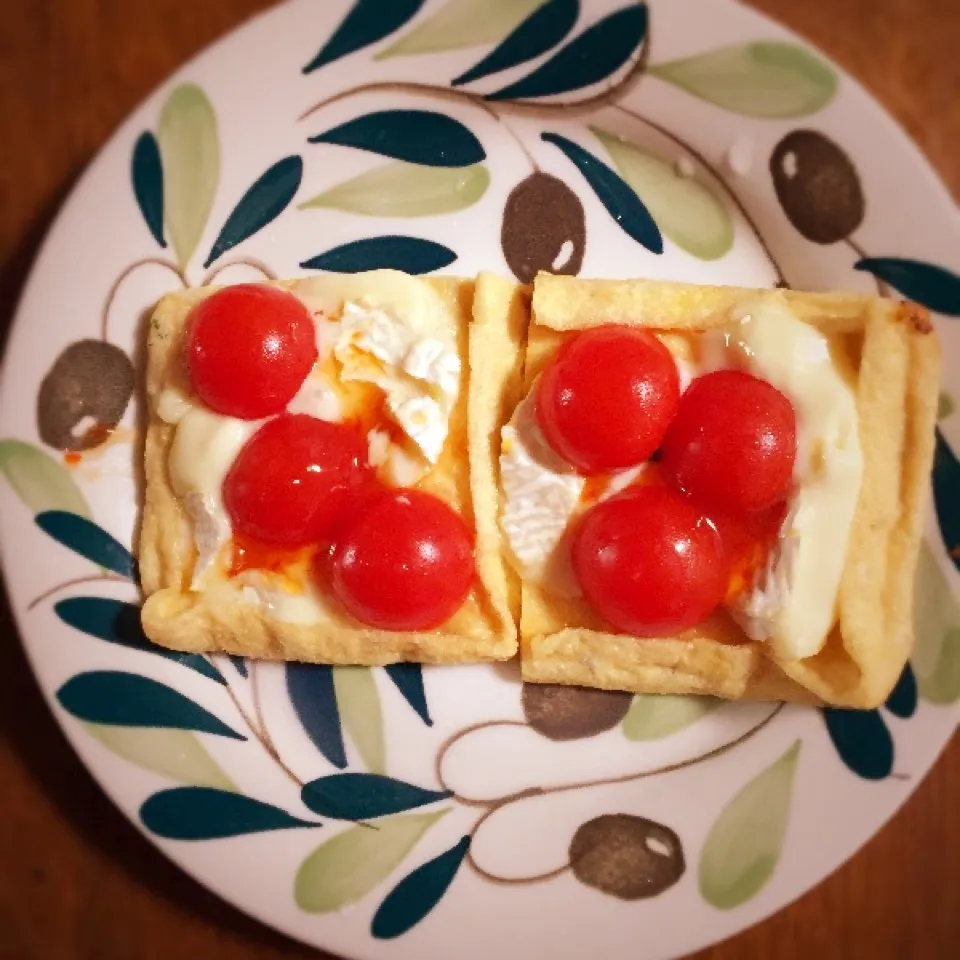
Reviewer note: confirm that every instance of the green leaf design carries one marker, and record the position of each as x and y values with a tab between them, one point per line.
543	29
743	846
417	136
685	209
176	754
117	622
596	54
364	796
652	716
462	23
146	173
190	151
766	79
945	405
347	867
119	699
936	652
409	254
202	813
934	286
40	482
367	22
401	189
417	894
621	202
92	542
263	202
360	714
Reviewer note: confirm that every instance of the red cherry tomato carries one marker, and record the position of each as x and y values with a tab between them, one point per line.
404	563
293	478
249	349
606	400
649	563
748	539
732	443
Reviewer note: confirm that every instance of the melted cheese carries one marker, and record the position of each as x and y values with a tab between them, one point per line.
794	603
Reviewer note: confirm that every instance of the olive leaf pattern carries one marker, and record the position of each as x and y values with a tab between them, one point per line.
433	164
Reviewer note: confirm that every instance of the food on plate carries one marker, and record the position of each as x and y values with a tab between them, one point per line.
320	474
719	491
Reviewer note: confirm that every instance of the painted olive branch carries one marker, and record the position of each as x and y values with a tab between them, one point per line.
76	582
254	264
256	725
494	805
112	294
718	176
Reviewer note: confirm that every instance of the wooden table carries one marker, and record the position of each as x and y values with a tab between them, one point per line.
76	881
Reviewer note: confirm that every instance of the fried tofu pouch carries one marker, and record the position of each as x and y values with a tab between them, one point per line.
897	358
219	620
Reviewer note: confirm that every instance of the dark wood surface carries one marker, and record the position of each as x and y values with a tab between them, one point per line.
76	881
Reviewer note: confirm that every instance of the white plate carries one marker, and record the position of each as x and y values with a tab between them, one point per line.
216	172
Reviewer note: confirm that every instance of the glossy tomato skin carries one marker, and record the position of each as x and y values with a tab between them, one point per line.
249	349
294	478
405	562
733	442
605	401
649	562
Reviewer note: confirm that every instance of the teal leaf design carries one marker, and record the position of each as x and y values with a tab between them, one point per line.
83	536
408	679
594	55
902	701
862	740
175	754
363	796
409	254
621	202
41	483
767	79
204	813
119	623
655	716
417	136
266	199
146	172
310	686
743	846
190	154
418	893
936	652
933	286
367	22
946	483
400	189
543	29
239	664
345	868
684	209
360	714
461	23
127	700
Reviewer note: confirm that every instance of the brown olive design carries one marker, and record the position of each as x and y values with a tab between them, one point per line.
84	395
572	713
817	186
543	228
626	856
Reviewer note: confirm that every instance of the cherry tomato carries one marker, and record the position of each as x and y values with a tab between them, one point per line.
606	400
293	478
732	443
649	562
748	539
405	563
249	349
